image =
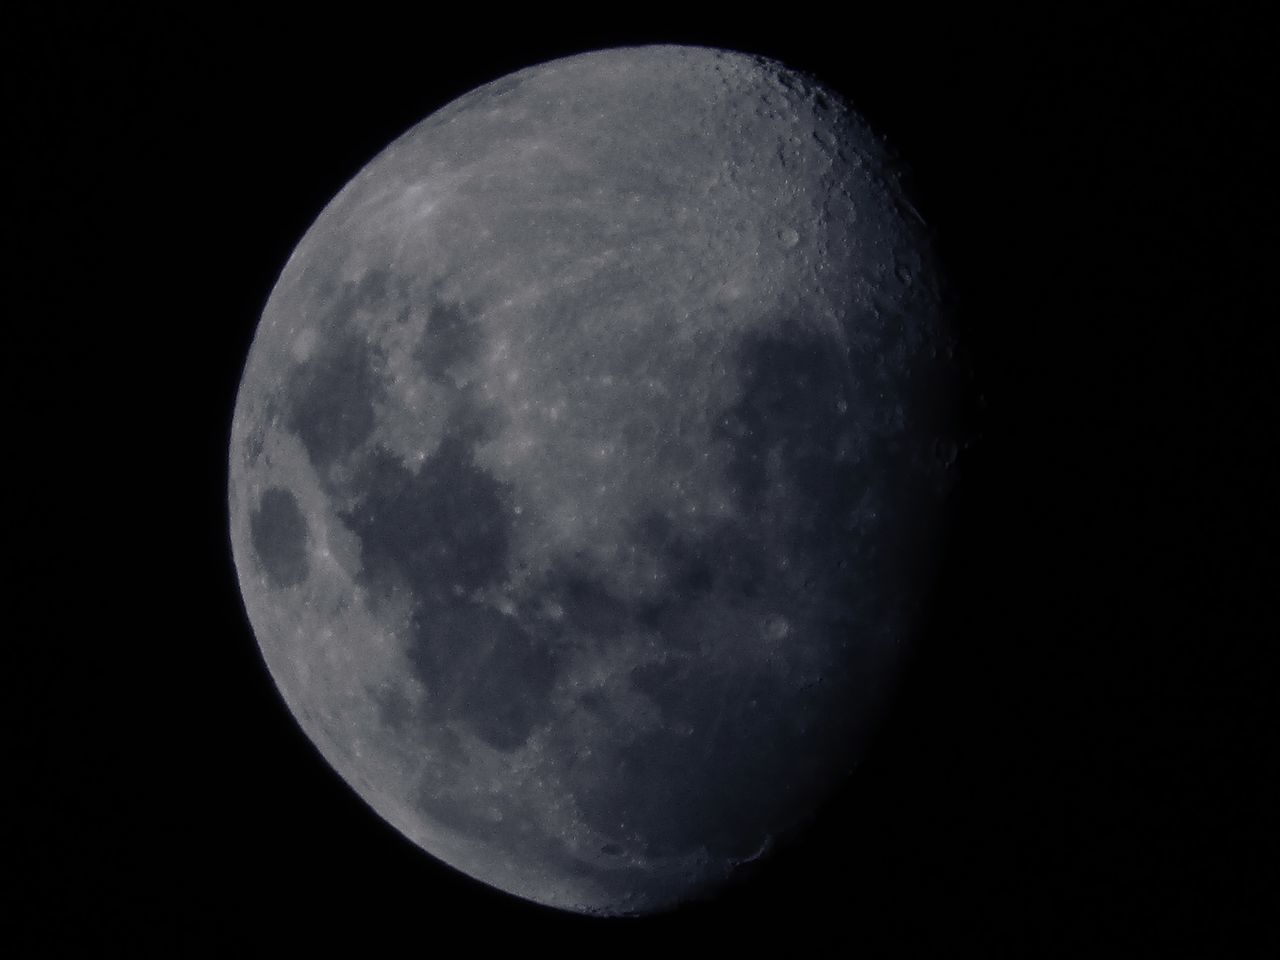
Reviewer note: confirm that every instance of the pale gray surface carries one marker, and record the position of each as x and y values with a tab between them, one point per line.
583	475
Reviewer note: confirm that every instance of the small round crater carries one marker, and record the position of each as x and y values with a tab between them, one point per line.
788	237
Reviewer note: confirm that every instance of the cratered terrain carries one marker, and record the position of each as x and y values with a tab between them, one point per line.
588	466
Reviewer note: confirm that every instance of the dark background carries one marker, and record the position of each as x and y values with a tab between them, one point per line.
1077	759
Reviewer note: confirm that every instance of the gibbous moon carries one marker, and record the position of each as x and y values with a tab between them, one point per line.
585	484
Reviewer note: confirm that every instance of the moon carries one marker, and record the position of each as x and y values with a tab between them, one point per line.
585	478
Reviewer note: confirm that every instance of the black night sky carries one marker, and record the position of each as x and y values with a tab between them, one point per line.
1077	758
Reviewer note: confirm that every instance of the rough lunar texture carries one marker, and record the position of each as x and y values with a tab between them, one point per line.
584	471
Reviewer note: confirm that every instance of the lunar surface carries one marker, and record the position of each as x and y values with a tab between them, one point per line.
587	470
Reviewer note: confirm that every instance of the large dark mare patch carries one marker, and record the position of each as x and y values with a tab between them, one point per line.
278	532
